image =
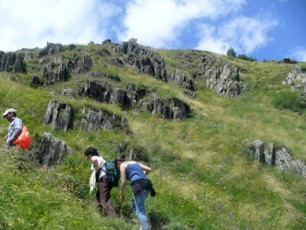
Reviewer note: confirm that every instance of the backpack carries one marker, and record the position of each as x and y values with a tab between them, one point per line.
24	139
113	174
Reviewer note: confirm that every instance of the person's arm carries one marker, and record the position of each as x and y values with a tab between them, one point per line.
95	162
123	181
145	168
15	131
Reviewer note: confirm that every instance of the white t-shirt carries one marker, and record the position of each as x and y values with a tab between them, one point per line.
101	161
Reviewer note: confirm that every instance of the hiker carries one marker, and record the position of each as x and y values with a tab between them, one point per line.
103	196
136	173
15	127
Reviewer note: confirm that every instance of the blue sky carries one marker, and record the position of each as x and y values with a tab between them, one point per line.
263	29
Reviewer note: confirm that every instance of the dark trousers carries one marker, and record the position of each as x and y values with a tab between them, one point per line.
103	196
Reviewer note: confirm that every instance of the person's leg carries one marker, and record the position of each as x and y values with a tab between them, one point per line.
98	202
133	206
139	202
104	196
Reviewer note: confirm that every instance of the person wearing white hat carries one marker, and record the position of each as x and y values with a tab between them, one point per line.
15	127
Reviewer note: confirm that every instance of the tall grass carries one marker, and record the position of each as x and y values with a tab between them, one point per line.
203	177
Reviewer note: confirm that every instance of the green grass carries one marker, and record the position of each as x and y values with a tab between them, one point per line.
202	175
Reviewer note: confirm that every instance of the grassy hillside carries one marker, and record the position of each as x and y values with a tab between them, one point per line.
202	175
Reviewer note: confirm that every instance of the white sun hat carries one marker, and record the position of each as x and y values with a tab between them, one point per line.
11	110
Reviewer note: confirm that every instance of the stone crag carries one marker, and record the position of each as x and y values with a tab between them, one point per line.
271	155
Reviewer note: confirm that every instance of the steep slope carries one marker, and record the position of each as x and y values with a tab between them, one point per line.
189	114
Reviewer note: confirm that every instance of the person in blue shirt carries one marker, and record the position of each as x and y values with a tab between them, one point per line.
15	127
136	173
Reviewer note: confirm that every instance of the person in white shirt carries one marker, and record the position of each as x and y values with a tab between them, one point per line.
103	196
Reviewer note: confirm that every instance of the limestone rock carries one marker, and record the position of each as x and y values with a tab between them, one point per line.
222	77
93	119
279	157
124	97
68	93
12	62
51	150
170	108
59	115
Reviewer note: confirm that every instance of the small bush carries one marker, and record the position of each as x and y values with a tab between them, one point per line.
158	220
246	58
290	101
231	53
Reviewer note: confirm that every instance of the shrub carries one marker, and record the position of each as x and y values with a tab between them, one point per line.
231	53
246	58
290	101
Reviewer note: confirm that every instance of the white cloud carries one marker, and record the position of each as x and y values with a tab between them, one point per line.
242	33
160	22
28	24
299	54
210	41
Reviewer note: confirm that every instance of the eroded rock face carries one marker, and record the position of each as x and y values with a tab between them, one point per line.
170	108
56	67
54	48
68	93
56	70
184	80
279	157
222	77
93	119
297	80
59	115
126	98
51	150
35	81
142	59
12	62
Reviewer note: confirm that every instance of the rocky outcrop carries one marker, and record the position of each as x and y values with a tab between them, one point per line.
297	80
35	82
170	108
57	69
12	62
52	49
103	52
136	153
85	64
93	119
68	93
124	97
221	76
142	59
51	150
279	157
184	80
59	115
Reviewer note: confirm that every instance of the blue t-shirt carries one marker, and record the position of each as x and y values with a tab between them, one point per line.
134	172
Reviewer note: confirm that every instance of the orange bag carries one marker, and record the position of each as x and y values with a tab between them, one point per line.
24	139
